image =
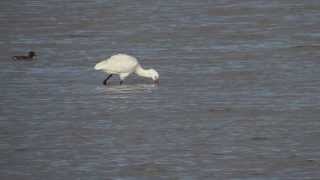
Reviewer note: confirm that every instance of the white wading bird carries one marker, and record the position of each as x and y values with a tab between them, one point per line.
124	65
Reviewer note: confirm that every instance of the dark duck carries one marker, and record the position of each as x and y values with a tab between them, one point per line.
31	56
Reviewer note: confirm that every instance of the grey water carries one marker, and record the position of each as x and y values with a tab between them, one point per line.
238	96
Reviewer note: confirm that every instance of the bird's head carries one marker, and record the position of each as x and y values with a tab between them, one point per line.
154	75
31	54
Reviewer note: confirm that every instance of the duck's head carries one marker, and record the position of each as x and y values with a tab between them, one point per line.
31	54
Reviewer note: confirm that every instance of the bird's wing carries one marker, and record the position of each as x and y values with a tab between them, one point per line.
121	64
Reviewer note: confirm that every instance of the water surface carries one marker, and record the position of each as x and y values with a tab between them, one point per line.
239	94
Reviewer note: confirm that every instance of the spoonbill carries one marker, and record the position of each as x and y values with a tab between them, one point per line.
30	56
124	65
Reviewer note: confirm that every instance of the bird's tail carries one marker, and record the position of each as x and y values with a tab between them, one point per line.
96	67
99	65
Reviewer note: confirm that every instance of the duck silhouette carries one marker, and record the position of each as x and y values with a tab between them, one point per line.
31	56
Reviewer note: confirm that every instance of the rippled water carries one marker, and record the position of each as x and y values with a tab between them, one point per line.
239	94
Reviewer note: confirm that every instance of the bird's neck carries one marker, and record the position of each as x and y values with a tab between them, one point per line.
142	72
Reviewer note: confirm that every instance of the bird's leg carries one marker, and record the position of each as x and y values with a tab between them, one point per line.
123	76
105	81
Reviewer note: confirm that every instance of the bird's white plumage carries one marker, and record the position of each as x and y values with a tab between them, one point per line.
124	65
117	64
